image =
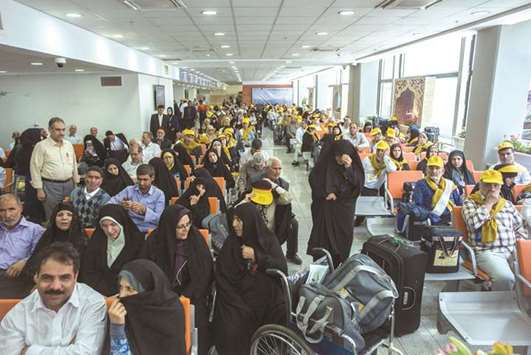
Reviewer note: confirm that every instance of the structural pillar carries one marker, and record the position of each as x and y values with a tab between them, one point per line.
499	89
363	91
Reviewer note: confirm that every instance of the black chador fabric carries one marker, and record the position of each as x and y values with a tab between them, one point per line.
222	156
73	235
99	149
177	169
113	184
94	270
192	277
458	174
154	323
219	169
246	296
163	179
201	209
333	220
212	188
183	155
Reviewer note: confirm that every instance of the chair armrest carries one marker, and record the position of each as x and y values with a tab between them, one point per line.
472	257
523	280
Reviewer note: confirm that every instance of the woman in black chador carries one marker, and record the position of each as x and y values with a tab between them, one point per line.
247	297
336	182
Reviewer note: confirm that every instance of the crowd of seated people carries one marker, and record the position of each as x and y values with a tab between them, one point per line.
123	222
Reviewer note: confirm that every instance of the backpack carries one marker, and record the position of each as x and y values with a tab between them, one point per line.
366	285
407	195
219	229
319	308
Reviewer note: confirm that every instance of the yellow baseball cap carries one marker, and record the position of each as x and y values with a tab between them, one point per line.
331	124
391	132
436	161
509	169
505	145
188	132
375	131
491	177
261	193
311	126
246	120
394	119
382	145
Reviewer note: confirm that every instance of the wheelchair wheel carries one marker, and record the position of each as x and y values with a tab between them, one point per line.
274	339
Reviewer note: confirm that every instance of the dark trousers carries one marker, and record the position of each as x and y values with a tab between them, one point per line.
14	288
293	238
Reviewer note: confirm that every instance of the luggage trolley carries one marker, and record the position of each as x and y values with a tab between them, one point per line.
275	339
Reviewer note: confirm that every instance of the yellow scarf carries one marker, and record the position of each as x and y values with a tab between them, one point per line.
227	152
438	192
399	163
419	148
189	147
377	166
246	132
413	141
489	230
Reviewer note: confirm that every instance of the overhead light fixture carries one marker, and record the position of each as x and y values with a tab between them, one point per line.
36	64
219	34
208	12
306	46
3	71
143	48
207	55
225	46
130	4
116	36
73	15
480	13
322	33
162	55
231	62
346	12
79	70
229	54
295	54
289	61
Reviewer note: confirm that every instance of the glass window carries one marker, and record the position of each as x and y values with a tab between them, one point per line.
443	106
387	68
435	56
526	134
386	95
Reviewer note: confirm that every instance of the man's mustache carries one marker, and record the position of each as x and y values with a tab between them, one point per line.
54	292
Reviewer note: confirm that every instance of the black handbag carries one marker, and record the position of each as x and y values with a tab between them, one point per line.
442	244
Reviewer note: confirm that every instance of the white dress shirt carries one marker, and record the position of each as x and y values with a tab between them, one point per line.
89	195
373	181
75	139
151	150
358	141
77	328
117	144
160	117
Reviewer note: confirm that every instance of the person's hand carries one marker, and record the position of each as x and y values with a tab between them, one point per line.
491	199
127	204
194	199
117	312
331	197
41	196
24	350
201	190
138	208
66	199
15	269
347	160
248	253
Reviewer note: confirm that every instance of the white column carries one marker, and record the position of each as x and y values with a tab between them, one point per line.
499	88
363	91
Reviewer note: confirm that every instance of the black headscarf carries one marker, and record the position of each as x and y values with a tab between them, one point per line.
178	168
218	169
162	247
414	133
211	187
94	269
202	208
52	234
450	170
163	179
113	184
20	157
221	158
154	322
98	146
183	155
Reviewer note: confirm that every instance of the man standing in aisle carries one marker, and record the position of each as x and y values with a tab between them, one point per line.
53	167
159	120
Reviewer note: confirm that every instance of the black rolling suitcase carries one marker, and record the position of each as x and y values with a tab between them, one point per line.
406	264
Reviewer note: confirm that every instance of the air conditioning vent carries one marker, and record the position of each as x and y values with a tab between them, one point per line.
146	5
406	4
323	49
111	81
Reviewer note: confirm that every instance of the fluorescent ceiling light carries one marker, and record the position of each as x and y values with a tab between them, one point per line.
116	36
208	12
295	54
229	54
3	71
73	15
306	46
231	62
143	48
208	54
36	64
224	46
219	34
346	12
130	4
322	33
80	70
480	13
162	55
289	61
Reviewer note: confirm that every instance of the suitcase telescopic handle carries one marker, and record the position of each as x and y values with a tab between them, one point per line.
409	298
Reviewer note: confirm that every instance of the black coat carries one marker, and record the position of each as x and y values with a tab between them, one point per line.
154	123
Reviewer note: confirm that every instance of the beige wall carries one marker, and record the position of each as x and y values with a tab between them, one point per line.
216	97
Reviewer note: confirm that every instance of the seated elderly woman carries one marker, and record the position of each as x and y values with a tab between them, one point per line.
178	248
115	242
147	317
247	297
435	194
116	178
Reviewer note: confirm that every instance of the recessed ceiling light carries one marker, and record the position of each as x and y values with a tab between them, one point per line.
208	54
36	64
306	46
224	46
480	13
322	33
143	48
73	15
80	70
219	34
3	71
162	55
229	54
295	54
209	12
116	36
289	61
346	12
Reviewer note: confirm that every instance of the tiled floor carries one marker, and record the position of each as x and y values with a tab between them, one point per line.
426	339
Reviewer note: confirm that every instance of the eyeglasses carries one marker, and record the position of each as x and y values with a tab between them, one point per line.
184	226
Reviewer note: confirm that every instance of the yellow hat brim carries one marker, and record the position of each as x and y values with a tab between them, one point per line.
262	197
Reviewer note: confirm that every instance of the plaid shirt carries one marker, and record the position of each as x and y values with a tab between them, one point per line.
510	227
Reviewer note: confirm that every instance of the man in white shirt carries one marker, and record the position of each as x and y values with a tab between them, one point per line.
72	136
150	149
506	156
358	139
256	146
61	316
376	166
134	161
